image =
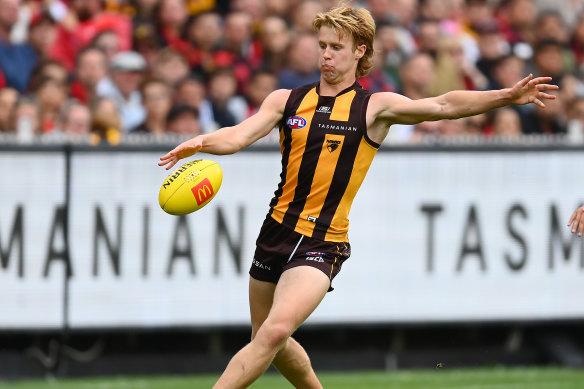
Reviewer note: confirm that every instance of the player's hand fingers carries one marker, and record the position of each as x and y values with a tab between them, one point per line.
525	81
546	96
539	103
171	163
547	87
541	80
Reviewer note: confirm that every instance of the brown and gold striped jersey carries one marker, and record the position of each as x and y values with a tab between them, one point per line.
325	156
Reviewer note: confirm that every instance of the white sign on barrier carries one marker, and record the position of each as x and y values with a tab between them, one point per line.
435	236
32	255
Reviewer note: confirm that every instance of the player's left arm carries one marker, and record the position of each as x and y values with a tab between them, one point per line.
395	109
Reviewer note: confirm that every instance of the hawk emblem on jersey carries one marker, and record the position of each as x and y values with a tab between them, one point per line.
296	122
332	145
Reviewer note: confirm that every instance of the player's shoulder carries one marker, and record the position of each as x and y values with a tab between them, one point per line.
277	99
383	101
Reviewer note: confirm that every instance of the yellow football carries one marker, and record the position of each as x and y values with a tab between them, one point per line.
190	187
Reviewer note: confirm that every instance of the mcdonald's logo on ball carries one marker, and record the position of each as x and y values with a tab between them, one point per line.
190	187
203	191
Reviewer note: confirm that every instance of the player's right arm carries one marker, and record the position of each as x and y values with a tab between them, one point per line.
229	140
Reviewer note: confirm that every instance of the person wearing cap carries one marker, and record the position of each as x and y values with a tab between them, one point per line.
125	75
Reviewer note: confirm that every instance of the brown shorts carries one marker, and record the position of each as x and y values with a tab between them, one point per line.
279	249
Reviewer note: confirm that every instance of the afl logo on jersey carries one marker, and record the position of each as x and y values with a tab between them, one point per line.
296	122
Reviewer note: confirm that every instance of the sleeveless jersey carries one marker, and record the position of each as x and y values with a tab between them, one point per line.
325	156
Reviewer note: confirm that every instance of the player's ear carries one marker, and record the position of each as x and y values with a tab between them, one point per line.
360	51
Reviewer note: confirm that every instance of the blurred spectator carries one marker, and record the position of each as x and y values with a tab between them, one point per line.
51	95
567	9
279	8
417	75
171	18
302	63
42	35
260	85
428	36
183	120
517	19
8	100
204	32
106	123
506	123
303	15
548	59
84	20
157	100
143	10
492	46
377	80
228	107
551	26
506	71
192	92
16	60
90	70
453	70
27	118
126	73
48	69
254	8
108	42
551	120
75	120
275	40
169	65
571	88
453	128
243	53
477	13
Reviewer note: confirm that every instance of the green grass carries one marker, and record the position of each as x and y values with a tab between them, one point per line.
484	378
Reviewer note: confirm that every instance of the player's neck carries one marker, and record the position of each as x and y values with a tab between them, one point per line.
328	89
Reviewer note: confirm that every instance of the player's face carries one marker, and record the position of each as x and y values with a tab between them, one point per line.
338	58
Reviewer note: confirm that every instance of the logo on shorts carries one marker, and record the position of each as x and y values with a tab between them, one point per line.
315	256
260	265
296	122
332	145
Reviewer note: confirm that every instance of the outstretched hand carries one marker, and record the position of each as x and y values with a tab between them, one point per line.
577	221
532	90
185	149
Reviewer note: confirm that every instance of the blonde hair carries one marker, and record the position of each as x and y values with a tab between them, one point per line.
355	22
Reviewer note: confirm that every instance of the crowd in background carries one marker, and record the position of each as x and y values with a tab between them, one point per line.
101	71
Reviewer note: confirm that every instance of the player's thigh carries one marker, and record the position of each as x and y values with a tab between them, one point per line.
298	292
261	297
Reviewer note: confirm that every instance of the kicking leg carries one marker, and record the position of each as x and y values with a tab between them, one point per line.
292	360
297	294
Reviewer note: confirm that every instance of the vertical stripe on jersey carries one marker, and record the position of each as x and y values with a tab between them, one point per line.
342	107
363	160
297	146
321	182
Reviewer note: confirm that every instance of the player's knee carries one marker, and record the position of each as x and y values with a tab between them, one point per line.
275	334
